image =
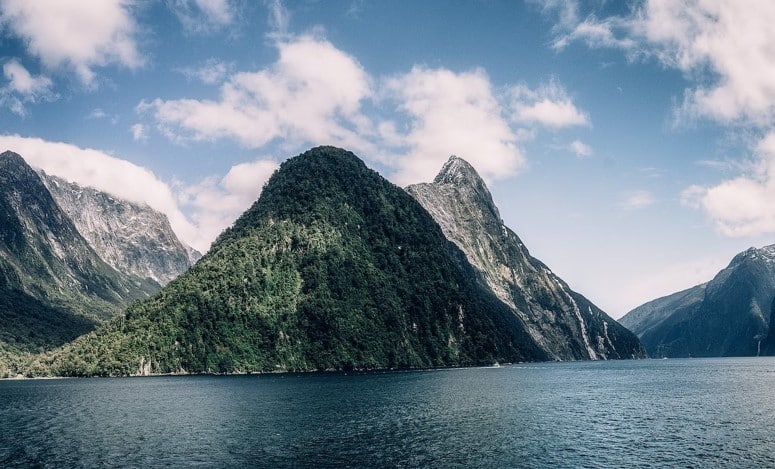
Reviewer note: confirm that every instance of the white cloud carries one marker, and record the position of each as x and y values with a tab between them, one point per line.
213	71
203	16
215	203
23	88
312	93
549	105
723	48
451	113
139	132
741	206
637	200
75	34
731	41
581	149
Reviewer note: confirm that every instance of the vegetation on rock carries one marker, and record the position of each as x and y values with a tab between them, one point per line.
332	268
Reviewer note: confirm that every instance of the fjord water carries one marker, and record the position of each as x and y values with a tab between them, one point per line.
643	413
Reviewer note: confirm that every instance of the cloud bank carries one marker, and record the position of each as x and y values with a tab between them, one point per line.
213	204
315	93
724	50
75	35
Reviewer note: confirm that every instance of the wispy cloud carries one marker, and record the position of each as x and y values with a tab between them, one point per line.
139	132
279	17
548	105
203	16
23	87
74	34
211	72
637	200
581	149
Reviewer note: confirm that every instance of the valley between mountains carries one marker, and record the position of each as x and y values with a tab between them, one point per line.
332	268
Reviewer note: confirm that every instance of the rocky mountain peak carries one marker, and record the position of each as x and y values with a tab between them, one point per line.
565	325
459	176
130	237
766	254
10	158
456	171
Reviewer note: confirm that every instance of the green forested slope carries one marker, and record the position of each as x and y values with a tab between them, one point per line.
332	268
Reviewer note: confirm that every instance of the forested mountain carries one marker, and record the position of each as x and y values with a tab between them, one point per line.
333	267
53	286
564	324
728	316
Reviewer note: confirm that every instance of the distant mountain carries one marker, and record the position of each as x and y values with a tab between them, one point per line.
332	268
564	324
728	316
131	238
53	286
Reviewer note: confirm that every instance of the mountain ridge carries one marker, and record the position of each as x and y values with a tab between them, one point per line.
728	316
333	267
53	286
566	325
130	237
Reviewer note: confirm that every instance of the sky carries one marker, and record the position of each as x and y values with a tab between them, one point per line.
631	145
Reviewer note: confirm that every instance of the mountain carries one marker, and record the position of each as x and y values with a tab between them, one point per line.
564	324
53	286
131	238
333	267
728	316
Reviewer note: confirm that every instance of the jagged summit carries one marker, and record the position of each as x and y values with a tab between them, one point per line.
130	237
765	253
52	284
10	157
564	324
458	171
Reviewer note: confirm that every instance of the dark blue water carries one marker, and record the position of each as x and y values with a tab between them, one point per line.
650	413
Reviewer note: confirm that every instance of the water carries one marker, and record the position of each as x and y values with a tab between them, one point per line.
649	413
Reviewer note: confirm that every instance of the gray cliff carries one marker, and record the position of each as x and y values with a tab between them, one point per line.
562	322
131	238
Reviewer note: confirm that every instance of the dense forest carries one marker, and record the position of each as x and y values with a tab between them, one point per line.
333	267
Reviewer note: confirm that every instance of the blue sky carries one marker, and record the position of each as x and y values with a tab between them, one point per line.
629	144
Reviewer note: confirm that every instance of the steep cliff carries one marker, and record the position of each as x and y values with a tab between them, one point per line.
333	267
562	322
131	238
53	286
728	316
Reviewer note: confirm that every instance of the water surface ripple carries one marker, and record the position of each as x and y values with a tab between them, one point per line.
647	413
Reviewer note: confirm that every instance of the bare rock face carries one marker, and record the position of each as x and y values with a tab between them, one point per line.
131	238
53	286
562	322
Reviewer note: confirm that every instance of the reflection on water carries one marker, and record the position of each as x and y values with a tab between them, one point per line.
714	412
